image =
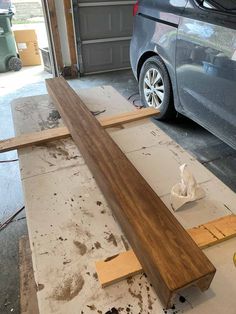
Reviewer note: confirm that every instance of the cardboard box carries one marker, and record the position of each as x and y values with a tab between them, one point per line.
27	44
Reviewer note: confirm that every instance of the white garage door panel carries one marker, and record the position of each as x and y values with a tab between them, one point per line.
104	30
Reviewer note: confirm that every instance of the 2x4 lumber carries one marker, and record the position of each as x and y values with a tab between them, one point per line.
55	33
70	31
214	232
116	268
167	253
29	139
126	264
62	132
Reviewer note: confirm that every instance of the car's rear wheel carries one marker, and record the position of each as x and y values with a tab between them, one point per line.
155	88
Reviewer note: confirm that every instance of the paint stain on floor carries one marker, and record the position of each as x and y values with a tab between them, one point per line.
82	247
111	239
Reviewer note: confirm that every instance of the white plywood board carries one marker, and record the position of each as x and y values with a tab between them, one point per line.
71	226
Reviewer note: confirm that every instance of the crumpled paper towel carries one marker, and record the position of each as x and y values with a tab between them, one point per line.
187	190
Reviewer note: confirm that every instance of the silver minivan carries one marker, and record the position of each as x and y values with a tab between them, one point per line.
183	53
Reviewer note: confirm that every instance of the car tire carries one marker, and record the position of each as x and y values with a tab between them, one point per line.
155	88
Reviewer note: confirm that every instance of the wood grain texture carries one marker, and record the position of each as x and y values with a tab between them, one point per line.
55	33
62	132
214	232
30	139
116	268
126	264
70	31
167	253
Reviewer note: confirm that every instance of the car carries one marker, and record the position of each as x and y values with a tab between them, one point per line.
183	54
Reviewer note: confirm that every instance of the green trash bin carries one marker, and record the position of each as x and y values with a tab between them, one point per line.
9	60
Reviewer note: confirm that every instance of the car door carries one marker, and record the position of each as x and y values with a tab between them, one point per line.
206	66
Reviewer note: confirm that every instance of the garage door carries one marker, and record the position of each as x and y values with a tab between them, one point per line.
103	32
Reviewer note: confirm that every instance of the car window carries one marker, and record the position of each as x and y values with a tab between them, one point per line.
221	5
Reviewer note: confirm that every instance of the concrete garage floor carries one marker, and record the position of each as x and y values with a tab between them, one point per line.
215	155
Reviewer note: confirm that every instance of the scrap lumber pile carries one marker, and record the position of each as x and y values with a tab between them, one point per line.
167	253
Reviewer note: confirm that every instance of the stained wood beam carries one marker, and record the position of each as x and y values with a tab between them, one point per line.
116	268
167	253
45	136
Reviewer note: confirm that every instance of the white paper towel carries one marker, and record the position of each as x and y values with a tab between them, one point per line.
187	190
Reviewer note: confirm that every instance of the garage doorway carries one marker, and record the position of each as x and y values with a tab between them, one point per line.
103	33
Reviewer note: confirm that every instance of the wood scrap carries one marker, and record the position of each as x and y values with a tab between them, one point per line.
45	136
118	267
165	250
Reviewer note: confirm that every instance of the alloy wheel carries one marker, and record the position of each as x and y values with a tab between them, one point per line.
153	87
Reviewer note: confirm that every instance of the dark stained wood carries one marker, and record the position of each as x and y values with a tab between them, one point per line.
168	255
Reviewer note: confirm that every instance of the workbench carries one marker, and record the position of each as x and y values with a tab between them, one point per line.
71	227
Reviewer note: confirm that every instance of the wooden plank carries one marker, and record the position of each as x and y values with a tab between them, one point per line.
28	291
33	139
126	264
214	232
167	253
118	267
138	114
55	33
62	132
70	31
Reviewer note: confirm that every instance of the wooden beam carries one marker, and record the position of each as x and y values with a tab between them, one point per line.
55	33
126	264
165	250
70	32
62	132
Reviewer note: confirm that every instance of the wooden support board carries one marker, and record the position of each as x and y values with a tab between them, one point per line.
62	132
166	252
214	232
118	267
126	264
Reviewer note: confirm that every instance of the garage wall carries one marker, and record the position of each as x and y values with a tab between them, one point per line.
103	30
